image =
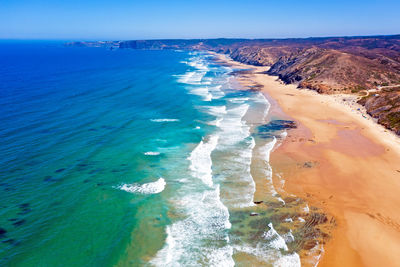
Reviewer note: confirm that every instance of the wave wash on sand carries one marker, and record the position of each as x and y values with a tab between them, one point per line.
221	188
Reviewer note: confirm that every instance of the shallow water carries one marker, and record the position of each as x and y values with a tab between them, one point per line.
130	158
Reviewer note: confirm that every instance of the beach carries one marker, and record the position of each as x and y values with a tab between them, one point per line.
190	159
341	161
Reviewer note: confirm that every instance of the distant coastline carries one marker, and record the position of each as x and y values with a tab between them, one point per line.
365	66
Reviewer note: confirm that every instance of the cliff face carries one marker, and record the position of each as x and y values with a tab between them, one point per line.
259	55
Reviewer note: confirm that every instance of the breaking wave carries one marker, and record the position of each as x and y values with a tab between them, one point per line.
164	120
149	188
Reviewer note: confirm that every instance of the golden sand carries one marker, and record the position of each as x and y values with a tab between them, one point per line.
356	175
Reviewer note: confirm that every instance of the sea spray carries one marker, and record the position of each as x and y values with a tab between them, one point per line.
149	188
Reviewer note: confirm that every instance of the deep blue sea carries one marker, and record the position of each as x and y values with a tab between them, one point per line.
130	158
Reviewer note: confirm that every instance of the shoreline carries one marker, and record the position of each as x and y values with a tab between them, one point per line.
355	175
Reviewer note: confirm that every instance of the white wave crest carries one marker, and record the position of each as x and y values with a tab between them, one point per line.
216	91
151	153
239	100
270	256
203	92
164	120
201	236
200	159
263	100
216	110
267	148
232	127
191	77
270	252
216	122
149	188
275	240
198	63
265	152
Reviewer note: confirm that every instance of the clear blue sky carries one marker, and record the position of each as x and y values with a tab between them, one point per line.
150	19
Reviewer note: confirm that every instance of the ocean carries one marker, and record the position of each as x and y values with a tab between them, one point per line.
133	158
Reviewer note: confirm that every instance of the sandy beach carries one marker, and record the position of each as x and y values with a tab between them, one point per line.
355	173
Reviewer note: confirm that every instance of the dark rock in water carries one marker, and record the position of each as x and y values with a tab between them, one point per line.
24	205
267	130
24	208
108	127
256	87
82	165
258	202
277	125
8	241
2	232
25	211
241	72
308	164
60	170
48	178
292	199
310	244
316	218
9	189
19	223
254	214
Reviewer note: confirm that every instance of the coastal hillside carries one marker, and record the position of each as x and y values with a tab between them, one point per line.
356	65
384	106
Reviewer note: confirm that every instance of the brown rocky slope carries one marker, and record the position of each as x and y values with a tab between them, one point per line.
384	105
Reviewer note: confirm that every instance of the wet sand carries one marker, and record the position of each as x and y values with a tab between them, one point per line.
338	159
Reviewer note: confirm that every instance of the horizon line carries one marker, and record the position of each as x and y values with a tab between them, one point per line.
212	38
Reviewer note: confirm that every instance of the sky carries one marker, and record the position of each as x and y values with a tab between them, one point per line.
157	19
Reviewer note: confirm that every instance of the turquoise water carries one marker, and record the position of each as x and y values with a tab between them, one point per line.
126	158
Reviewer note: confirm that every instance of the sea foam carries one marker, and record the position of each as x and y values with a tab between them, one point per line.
273	252
164	120
200	159
151	153
149	188
200	238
